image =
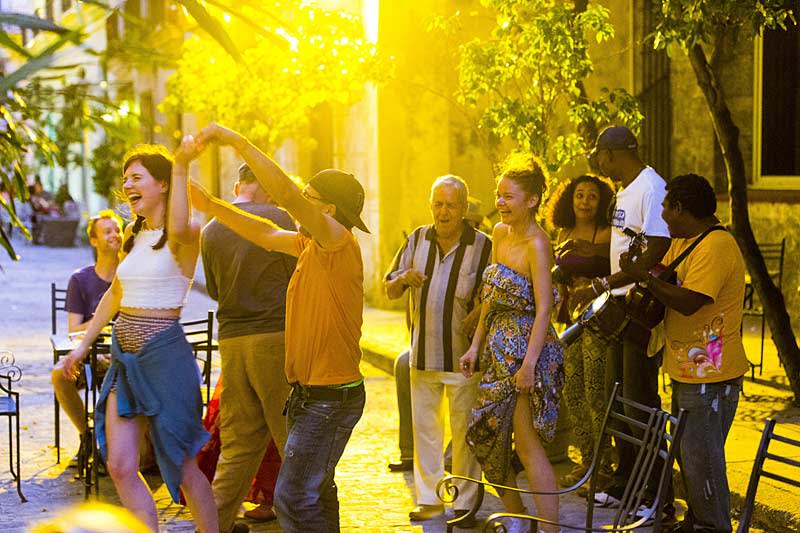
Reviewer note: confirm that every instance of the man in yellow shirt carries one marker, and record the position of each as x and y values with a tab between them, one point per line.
324	305
704	355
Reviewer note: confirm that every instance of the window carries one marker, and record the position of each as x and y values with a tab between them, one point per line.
776	154
652	89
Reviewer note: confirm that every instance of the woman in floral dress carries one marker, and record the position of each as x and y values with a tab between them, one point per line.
519	352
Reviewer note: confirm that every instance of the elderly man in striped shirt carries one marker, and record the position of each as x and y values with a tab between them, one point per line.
442	265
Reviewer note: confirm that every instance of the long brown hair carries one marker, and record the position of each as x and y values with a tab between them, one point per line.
158	162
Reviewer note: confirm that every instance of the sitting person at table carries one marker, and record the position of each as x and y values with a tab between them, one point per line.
85	288
153	379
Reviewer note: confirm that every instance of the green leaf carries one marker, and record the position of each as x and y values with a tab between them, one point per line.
5	242
36	63
31	22
212	26
8	42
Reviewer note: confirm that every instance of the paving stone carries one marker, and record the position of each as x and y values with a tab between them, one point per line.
372	498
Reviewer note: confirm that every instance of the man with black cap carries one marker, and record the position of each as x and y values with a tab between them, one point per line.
324	305
249	283
637	208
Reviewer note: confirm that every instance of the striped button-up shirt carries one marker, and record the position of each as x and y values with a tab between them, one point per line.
452	281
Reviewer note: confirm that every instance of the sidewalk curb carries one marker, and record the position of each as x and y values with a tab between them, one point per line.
378	359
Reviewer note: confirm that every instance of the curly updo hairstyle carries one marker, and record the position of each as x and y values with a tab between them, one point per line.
158	162
528	172
560	211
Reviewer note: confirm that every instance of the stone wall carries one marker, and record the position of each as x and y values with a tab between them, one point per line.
772	221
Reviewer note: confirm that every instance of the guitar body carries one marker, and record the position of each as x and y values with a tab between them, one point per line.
645	310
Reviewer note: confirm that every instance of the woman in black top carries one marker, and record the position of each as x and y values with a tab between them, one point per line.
579	209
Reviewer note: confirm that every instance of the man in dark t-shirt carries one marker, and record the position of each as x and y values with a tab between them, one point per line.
249	283
85	290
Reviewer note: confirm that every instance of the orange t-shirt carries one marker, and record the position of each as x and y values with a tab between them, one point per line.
324	306
706	347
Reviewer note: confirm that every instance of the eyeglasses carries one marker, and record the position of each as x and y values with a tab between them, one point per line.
308	196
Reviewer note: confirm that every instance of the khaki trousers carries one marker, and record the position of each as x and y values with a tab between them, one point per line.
250	413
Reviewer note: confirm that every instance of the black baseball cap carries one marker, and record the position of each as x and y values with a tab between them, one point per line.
342	190
615	138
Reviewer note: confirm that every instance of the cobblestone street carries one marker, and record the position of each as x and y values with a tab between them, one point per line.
372	498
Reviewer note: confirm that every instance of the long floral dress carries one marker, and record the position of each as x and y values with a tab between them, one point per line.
508	325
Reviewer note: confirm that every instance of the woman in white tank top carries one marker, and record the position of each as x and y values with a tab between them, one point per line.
153	377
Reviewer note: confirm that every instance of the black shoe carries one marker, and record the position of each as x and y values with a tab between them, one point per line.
405	465
467	523
75	461
83	450
102	471
240	527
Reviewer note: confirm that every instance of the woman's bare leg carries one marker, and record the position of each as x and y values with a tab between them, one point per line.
199	497
511	500
537	466
123	435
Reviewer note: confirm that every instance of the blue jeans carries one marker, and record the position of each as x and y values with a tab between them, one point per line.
710	408
305	493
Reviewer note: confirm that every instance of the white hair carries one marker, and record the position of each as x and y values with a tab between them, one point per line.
453	181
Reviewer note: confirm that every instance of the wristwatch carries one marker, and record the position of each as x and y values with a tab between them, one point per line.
644	282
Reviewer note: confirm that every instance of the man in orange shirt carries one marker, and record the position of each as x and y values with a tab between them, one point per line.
324	305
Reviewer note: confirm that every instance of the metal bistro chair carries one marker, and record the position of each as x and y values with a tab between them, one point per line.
58	302
773	254
87	464
9	406
652	441
767	436
199	333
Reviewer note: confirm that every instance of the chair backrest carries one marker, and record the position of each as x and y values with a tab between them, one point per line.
200	333
759	470
773	254
9	373
58	302
654	443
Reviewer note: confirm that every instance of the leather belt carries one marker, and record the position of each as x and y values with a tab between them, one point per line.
327	393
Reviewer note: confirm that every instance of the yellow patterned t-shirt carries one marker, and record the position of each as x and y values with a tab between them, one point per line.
706	347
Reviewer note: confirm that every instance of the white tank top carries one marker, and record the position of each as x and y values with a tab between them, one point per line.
151	279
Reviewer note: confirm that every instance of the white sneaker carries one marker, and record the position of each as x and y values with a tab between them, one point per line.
605	499
644	512
518	526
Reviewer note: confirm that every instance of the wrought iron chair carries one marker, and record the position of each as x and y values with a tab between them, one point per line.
199	333
652	441
759	471
773	254
9	407
88	462
58	302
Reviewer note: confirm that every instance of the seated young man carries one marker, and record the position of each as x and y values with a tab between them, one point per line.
84	291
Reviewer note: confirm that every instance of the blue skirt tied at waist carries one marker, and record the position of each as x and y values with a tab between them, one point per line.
162	383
